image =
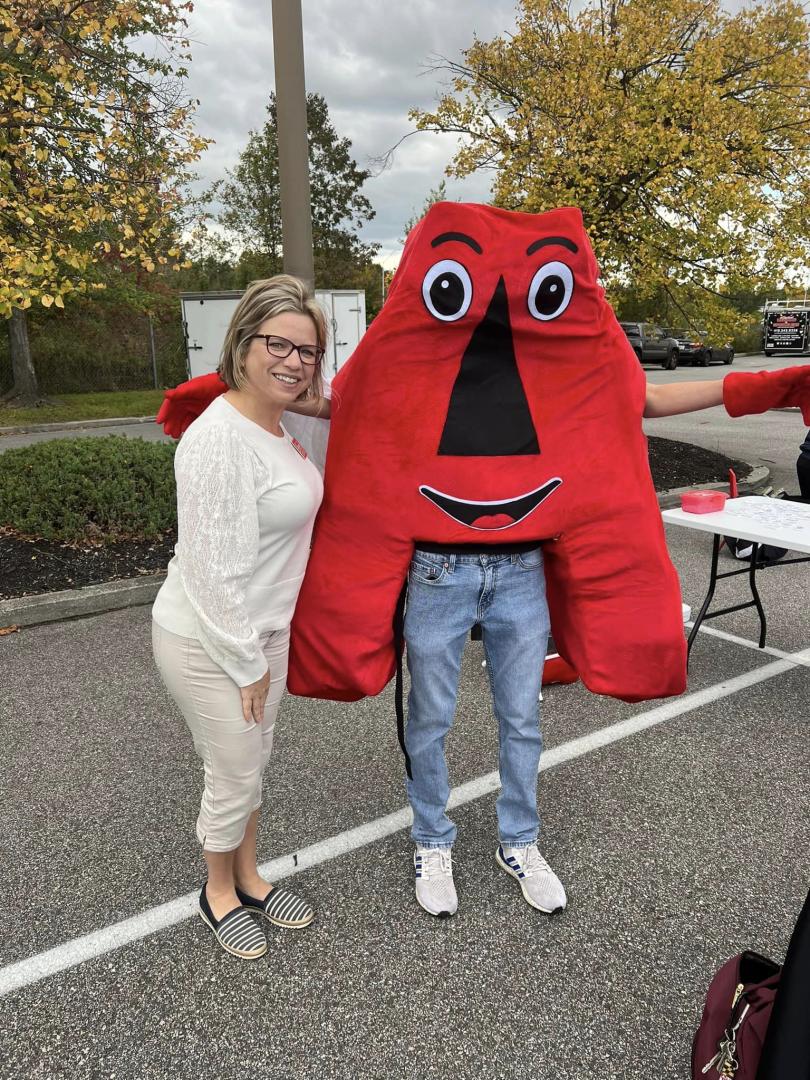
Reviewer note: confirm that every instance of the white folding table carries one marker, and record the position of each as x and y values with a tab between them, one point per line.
777	522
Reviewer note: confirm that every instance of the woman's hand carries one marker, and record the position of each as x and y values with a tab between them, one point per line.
318	407
253	699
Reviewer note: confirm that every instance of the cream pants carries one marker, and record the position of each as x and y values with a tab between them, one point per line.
234	753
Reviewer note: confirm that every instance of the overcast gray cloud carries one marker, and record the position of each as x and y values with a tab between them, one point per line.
368	59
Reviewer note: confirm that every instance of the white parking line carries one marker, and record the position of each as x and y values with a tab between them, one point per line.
768	650
62	957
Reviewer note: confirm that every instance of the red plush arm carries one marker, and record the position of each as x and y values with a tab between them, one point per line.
756	392
185	402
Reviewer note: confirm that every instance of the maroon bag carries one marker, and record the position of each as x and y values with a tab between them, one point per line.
735	1018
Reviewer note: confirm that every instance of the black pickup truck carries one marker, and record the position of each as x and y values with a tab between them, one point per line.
651	344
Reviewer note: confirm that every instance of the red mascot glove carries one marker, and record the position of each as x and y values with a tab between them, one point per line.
756	392
185	402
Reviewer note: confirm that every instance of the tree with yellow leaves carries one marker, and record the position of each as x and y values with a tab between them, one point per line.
95	139
681	130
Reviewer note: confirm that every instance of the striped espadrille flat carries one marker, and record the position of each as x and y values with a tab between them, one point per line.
281	907
236	932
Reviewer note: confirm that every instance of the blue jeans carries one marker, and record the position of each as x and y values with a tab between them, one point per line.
447	595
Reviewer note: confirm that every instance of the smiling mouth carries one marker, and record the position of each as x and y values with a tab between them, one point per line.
490	515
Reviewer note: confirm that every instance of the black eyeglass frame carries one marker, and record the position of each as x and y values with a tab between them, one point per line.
320	353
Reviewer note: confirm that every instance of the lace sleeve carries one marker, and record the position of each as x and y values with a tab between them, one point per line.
218	542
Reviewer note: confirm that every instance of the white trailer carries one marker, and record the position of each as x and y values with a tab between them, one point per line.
206	317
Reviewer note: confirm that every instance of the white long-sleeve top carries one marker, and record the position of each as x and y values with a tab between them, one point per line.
246	505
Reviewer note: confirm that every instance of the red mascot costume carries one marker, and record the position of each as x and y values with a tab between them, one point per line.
494	399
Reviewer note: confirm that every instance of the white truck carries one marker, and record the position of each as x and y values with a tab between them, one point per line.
786	327
206	317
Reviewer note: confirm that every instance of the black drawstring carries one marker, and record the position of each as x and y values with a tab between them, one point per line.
399	646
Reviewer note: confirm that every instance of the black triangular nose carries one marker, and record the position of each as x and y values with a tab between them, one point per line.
488	414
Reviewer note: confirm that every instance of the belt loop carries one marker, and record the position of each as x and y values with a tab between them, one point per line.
451	565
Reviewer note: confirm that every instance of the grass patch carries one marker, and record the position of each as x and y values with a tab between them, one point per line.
69	407
96	490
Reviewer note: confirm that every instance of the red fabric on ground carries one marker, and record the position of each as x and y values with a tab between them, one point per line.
557	670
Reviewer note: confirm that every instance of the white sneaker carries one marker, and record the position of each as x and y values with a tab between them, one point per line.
435	890
539	884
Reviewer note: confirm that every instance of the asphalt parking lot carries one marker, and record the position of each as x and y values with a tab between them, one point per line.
679	828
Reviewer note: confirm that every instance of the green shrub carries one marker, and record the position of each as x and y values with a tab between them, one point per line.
97	489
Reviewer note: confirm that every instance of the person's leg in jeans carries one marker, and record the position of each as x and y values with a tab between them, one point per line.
442	598
441	609
516	626
515	621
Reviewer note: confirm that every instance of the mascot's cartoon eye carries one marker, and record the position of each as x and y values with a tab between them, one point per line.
550	291
447	290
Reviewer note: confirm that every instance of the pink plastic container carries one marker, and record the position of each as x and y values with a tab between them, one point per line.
703	502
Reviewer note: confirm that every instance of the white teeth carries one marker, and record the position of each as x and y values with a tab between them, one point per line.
285	378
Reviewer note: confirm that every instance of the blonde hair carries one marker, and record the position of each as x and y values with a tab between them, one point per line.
264	300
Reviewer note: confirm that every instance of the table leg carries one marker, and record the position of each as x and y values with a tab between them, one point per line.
709	595
752	578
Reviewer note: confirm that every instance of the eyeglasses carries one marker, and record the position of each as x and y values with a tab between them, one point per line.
280	347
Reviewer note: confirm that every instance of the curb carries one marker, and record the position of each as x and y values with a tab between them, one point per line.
754	482
136	592
75	425
72	603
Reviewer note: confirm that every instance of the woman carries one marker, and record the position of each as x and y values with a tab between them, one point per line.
246	503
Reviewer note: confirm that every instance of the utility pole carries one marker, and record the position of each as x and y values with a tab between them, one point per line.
293	150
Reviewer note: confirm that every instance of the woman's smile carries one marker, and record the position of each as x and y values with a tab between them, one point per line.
285	378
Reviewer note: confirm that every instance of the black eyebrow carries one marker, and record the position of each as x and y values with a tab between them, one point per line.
445	236
562	241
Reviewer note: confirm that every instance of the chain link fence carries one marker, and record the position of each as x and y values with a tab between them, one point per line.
99	347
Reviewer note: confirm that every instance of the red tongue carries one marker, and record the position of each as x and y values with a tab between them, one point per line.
493	521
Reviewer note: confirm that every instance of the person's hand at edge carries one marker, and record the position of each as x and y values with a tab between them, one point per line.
747	392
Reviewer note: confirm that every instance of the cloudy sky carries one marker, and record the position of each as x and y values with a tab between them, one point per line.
369	59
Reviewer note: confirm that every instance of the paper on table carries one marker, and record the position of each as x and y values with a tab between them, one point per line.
774	513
